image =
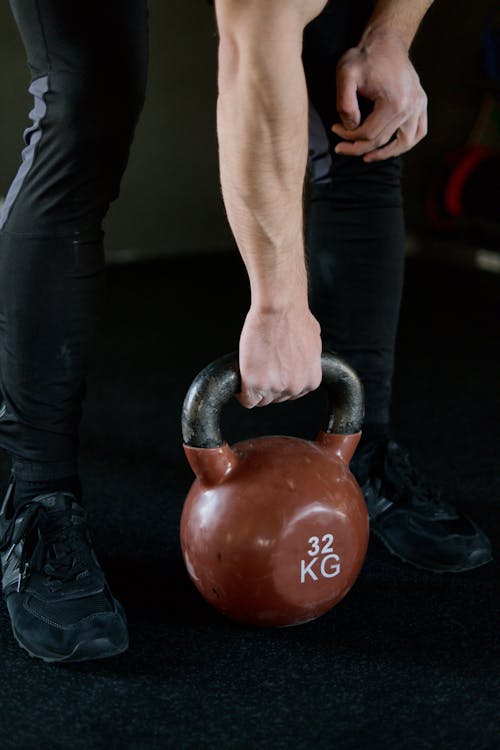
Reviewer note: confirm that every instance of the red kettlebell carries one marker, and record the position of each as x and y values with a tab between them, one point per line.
274	530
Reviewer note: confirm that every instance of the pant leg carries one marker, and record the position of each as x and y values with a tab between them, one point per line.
355	233
88	63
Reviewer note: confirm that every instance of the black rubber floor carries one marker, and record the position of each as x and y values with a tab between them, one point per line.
406	661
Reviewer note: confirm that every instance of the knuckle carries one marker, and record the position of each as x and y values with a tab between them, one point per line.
405	101
295	388
254	392
246	402
344	107
279	385
345	113
265	402
345	64
394	102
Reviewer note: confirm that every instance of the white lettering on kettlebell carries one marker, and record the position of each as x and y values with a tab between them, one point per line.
305	569
314	540
327	549
334	567
329	566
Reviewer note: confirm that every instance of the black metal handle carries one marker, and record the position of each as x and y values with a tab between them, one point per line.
217	383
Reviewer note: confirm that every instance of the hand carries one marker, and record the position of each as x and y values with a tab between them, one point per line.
380	70
280	356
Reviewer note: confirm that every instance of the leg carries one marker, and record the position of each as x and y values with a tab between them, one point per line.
356	257
88	69
356	251
355	228
88	65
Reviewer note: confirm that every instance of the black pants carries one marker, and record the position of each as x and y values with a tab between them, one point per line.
88	64
355	235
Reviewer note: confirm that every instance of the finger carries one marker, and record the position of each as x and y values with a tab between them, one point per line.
244	401
381	119
249	399
360	148
404	141
265	401
347	99
394	148
408	136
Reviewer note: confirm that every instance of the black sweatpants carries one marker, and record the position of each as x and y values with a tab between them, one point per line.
88	64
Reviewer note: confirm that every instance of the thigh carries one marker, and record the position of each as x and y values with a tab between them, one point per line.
88	63
76	35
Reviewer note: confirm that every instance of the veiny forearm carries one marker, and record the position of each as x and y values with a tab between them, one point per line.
262	130
397	17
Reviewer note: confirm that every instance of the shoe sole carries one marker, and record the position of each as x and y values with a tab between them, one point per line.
420	566
99	648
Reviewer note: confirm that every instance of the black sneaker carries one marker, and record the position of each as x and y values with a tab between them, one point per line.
411	519
59	603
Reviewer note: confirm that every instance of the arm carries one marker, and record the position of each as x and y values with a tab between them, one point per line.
379	68
262	131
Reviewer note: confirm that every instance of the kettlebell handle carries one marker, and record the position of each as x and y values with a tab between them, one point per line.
217	383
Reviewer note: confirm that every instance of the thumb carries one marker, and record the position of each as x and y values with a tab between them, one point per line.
347	100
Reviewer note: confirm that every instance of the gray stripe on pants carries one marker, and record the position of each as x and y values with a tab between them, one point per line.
319	157
31	137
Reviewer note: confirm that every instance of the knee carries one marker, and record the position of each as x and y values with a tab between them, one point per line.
88	111
355	184
76	152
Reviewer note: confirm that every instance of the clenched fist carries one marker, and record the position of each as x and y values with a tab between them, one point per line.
280	355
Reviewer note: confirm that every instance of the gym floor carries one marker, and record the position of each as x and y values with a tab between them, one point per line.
406	661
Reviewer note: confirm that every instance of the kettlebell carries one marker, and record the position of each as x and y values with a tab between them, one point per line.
274	530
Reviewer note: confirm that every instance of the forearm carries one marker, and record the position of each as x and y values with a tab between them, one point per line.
262	130
397	18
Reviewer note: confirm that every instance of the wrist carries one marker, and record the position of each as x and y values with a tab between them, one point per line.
282	295
396	20
381	33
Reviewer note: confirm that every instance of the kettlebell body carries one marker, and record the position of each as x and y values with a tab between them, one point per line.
274	530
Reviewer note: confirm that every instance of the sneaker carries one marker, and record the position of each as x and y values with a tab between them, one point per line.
59	603
411	519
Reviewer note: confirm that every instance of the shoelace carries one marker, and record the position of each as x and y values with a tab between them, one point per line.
61	551
68	542
402	473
